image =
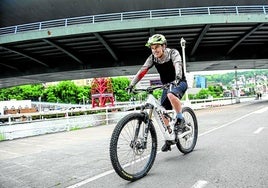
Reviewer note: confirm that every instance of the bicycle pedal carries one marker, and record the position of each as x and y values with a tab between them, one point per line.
172	142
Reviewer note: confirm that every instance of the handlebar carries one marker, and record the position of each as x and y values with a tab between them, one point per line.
150	89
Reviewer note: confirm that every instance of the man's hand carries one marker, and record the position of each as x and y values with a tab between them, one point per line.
177	80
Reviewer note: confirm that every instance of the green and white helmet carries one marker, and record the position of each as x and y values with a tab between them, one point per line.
156	39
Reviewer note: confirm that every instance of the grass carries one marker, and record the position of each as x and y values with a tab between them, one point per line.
2	137
74	128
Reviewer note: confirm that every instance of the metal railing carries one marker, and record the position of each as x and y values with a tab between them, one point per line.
47	109
146	14
109	115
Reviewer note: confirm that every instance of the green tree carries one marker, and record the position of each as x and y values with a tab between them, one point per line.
4	94
83	94
14	93
202	94
158	93
215	91
119	88
49	95
25	92
32	92
67	92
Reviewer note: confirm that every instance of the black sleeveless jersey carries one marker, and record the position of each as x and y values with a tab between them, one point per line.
167	71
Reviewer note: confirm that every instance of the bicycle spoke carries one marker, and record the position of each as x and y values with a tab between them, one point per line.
188	141
132	157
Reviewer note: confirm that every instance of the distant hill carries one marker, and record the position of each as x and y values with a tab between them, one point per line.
228	78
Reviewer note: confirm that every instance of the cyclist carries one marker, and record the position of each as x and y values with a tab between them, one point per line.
169	66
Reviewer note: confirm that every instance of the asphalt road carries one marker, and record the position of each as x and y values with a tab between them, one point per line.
231	151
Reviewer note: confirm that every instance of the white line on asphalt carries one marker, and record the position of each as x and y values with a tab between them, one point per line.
12	153
226	124
200	184
261	110
258	130
91	179
111	171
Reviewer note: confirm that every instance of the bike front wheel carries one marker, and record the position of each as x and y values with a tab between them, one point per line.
131	154
187	143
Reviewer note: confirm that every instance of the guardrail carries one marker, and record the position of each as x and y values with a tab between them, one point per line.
106	116
49	110
15	127
102	113
124	16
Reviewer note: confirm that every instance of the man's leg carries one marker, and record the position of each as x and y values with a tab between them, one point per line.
175	102
174	95
176	105
166	104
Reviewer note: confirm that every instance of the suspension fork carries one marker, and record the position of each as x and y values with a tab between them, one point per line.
147	120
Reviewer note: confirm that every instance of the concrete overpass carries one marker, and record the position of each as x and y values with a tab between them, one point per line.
218	38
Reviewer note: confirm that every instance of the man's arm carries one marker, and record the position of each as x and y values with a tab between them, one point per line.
144	69
176	59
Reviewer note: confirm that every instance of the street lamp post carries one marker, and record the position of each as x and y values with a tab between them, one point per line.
40	107
237	99
83	100
183	42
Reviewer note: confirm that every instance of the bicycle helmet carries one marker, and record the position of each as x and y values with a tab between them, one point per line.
156	39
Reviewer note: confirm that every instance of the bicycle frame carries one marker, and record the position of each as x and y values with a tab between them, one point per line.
158	111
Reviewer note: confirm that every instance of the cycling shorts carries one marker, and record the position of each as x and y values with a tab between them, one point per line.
178	91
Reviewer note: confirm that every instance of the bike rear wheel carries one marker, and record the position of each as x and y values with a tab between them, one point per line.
130	158
188	142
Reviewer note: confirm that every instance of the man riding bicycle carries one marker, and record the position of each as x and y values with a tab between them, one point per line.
169	66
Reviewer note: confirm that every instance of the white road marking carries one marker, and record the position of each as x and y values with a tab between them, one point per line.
226	124
91	179
200	184
258	130
261	110
212	130
12	153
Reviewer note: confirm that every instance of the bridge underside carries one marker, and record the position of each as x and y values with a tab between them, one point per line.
125	71
16	12
217	42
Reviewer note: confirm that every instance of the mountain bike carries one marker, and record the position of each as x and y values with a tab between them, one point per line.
133	144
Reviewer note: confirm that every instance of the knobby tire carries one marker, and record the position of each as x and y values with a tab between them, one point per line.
191	119
127	160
